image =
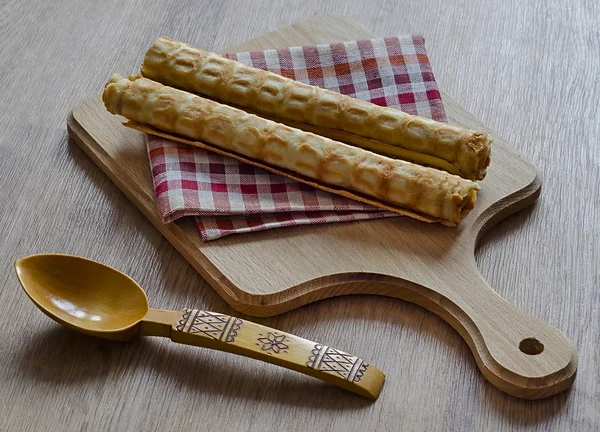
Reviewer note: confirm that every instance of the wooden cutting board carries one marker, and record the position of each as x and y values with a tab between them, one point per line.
271	272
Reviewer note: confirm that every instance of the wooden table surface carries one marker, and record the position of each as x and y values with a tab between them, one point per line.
528	70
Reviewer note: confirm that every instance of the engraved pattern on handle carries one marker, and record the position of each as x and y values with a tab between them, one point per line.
326	359
230	334
209	324
273	342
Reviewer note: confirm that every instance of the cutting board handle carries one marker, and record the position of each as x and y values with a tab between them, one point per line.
515	351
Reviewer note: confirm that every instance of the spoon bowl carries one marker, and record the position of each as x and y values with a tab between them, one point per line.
84	295
100	301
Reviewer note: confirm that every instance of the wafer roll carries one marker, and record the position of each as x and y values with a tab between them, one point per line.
380	129
425	191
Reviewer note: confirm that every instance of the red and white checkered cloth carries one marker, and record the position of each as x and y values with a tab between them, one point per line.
229	197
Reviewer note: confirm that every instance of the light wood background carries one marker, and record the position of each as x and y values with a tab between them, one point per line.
528	70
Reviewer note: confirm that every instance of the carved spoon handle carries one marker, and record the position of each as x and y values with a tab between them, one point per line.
231	334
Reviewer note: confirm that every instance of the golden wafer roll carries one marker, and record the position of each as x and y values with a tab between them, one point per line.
426	191
380	129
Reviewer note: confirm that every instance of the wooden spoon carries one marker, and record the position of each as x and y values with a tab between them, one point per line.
100	301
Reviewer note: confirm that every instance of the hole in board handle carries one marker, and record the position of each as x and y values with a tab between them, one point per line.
531	346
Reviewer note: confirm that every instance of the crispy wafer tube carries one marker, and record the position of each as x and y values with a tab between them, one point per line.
420	189
379	129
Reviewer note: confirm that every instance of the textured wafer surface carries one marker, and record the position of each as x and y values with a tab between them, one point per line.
363	123
424	190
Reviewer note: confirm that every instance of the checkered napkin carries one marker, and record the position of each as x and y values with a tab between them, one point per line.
229	197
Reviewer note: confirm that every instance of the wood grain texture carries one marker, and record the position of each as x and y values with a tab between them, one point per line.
525	69
426	264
